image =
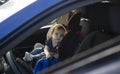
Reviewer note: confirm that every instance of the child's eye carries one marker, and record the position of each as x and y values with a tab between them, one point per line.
56	33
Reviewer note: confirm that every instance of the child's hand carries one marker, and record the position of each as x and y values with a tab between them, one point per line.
48	55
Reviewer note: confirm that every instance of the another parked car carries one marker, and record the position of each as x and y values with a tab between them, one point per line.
91	46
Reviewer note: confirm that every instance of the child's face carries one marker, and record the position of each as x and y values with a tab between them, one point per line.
57	36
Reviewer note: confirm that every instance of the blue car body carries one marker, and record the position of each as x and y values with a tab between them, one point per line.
25	22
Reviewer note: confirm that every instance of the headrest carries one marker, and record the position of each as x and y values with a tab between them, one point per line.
74	21
85	24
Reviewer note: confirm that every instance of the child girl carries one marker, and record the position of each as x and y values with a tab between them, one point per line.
54	37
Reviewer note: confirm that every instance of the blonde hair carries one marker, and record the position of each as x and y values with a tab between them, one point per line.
53	28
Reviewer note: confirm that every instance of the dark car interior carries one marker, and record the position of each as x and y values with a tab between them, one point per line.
94	25
104	27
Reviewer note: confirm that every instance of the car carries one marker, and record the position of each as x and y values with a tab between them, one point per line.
91	46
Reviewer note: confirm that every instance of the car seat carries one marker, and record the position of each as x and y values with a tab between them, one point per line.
94	38
71	41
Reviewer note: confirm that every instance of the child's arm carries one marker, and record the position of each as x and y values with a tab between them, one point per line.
47	53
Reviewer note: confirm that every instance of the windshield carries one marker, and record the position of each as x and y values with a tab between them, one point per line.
12	6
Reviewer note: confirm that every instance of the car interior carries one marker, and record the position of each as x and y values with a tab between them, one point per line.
87	27
103	27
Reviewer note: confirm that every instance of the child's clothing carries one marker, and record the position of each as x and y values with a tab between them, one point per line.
51	48
43	64
38	52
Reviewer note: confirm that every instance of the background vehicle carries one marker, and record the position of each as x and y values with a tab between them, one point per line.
96	52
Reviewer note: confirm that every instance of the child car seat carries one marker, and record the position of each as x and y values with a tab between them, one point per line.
71	41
